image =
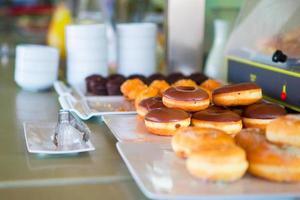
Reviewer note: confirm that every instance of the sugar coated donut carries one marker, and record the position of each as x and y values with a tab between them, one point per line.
190	139
285	130
161	85
185	82
132	87
267	160
218	163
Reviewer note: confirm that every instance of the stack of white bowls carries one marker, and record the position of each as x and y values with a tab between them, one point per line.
86	47
36	66
137	48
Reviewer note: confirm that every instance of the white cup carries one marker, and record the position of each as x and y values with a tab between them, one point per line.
136	48
86	31
80	70
36	66
86	47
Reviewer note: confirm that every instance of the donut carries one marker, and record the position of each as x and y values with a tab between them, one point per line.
149	104
208	92
225	163
218	118
132	87
237	109
138	76
156	76
185	82
161	85
186	98
198	77
285	130
173	77
190	139
270	161
165	121
144	94
259	115
211	84
237	94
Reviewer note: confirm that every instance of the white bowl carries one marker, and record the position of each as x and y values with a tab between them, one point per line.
36	66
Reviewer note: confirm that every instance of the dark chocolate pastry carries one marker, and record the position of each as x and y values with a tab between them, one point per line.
91	81
139	76
198	77
156	76
99	87
113	86
173	77
116	76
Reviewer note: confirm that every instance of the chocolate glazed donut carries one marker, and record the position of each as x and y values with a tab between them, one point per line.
186	98
237	94
259	115
165	121
218	118
149	104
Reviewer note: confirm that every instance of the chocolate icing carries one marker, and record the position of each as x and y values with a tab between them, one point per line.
154	77
235	88
152	103
96	84
113	86
264	111
198	77
99	89
165	115
185	93
217	114
139	76
116	76
173	77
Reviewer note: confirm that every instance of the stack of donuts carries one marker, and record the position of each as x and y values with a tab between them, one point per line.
207	121
274	154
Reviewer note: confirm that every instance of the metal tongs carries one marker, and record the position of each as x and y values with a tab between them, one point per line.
70	130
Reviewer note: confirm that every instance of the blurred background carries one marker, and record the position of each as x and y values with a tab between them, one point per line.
28	21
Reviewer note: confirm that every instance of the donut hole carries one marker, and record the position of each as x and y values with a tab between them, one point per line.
185	88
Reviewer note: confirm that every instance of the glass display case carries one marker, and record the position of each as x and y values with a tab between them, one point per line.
264	47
